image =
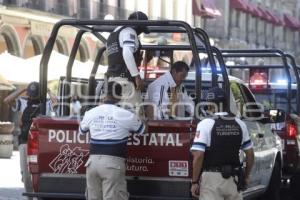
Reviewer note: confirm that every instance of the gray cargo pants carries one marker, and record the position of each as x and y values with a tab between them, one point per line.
214	186
106	178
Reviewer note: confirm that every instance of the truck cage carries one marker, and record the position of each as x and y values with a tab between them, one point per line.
96	26
288	62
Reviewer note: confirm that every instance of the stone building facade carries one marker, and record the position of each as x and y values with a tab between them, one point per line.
26	24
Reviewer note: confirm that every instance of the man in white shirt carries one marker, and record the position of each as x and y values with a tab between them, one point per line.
168	96
124	57
109	126
75	106
217	143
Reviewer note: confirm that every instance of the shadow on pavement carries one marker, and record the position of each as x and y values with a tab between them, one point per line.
11	194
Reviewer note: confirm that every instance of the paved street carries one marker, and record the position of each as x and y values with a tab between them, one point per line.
11	187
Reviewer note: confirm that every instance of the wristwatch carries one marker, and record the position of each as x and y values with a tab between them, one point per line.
194	182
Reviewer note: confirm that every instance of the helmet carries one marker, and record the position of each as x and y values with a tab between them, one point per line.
33	89
215	95
138	15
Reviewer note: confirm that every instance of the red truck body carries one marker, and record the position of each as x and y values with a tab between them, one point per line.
162	153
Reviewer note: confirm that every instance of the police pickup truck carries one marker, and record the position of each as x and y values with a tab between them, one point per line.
159	162
276	85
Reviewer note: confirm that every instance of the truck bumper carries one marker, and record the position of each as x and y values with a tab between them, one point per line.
139	189
65	186
54	195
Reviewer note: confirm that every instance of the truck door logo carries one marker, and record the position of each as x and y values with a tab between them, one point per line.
68	160
178	168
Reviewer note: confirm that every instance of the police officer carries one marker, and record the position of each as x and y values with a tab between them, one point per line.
27	107
109	127
215	150
124	57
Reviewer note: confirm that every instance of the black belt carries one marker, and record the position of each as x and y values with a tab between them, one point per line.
118	150
217	169
213	169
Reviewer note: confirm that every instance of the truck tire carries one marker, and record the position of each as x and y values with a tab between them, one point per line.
294	185
273	191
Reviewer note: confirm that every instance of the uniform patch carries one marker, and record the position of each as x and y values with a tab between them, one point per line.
132	36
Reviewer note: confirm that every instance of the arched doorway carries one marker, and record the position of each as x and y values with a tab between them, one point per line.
9	40
34	46
103	60
83	52
61	46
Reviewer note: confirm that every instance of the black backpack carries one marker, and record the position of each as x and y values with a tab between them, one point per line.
31	111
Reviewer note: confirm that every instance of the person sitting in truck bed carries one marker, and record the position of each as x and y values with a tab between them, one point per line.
168	96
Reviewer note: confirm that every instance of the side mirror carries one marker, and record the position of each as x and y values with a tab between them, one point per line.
277	115
274	116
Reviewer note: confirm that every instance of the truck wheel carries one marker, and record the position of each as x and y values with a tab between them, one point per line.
273	191
294	185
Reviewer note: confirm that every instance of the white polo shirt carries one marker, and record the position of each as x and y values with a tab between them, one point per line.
108	122
203	134
157	93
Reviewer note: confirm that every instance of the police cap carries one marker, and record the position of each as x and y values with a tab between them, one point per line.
33	89
138	15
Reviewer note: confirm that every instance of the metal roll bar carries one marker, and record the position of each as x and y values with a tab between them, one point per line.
297	74
95	26
268	53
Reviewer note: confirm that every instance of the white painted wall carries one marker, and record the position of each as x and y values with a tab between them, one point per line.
143	5
168	9
130	5
112	3
155	8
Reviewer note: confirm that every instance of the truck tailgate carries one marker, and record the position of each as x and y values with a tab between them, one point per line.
157	159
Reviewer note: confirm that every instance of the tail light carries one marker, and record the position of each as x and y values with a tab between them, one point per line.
291	130
258	78
32	145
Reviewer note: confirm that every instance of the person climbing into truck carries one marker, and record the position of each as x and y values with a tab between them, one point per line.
124	57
